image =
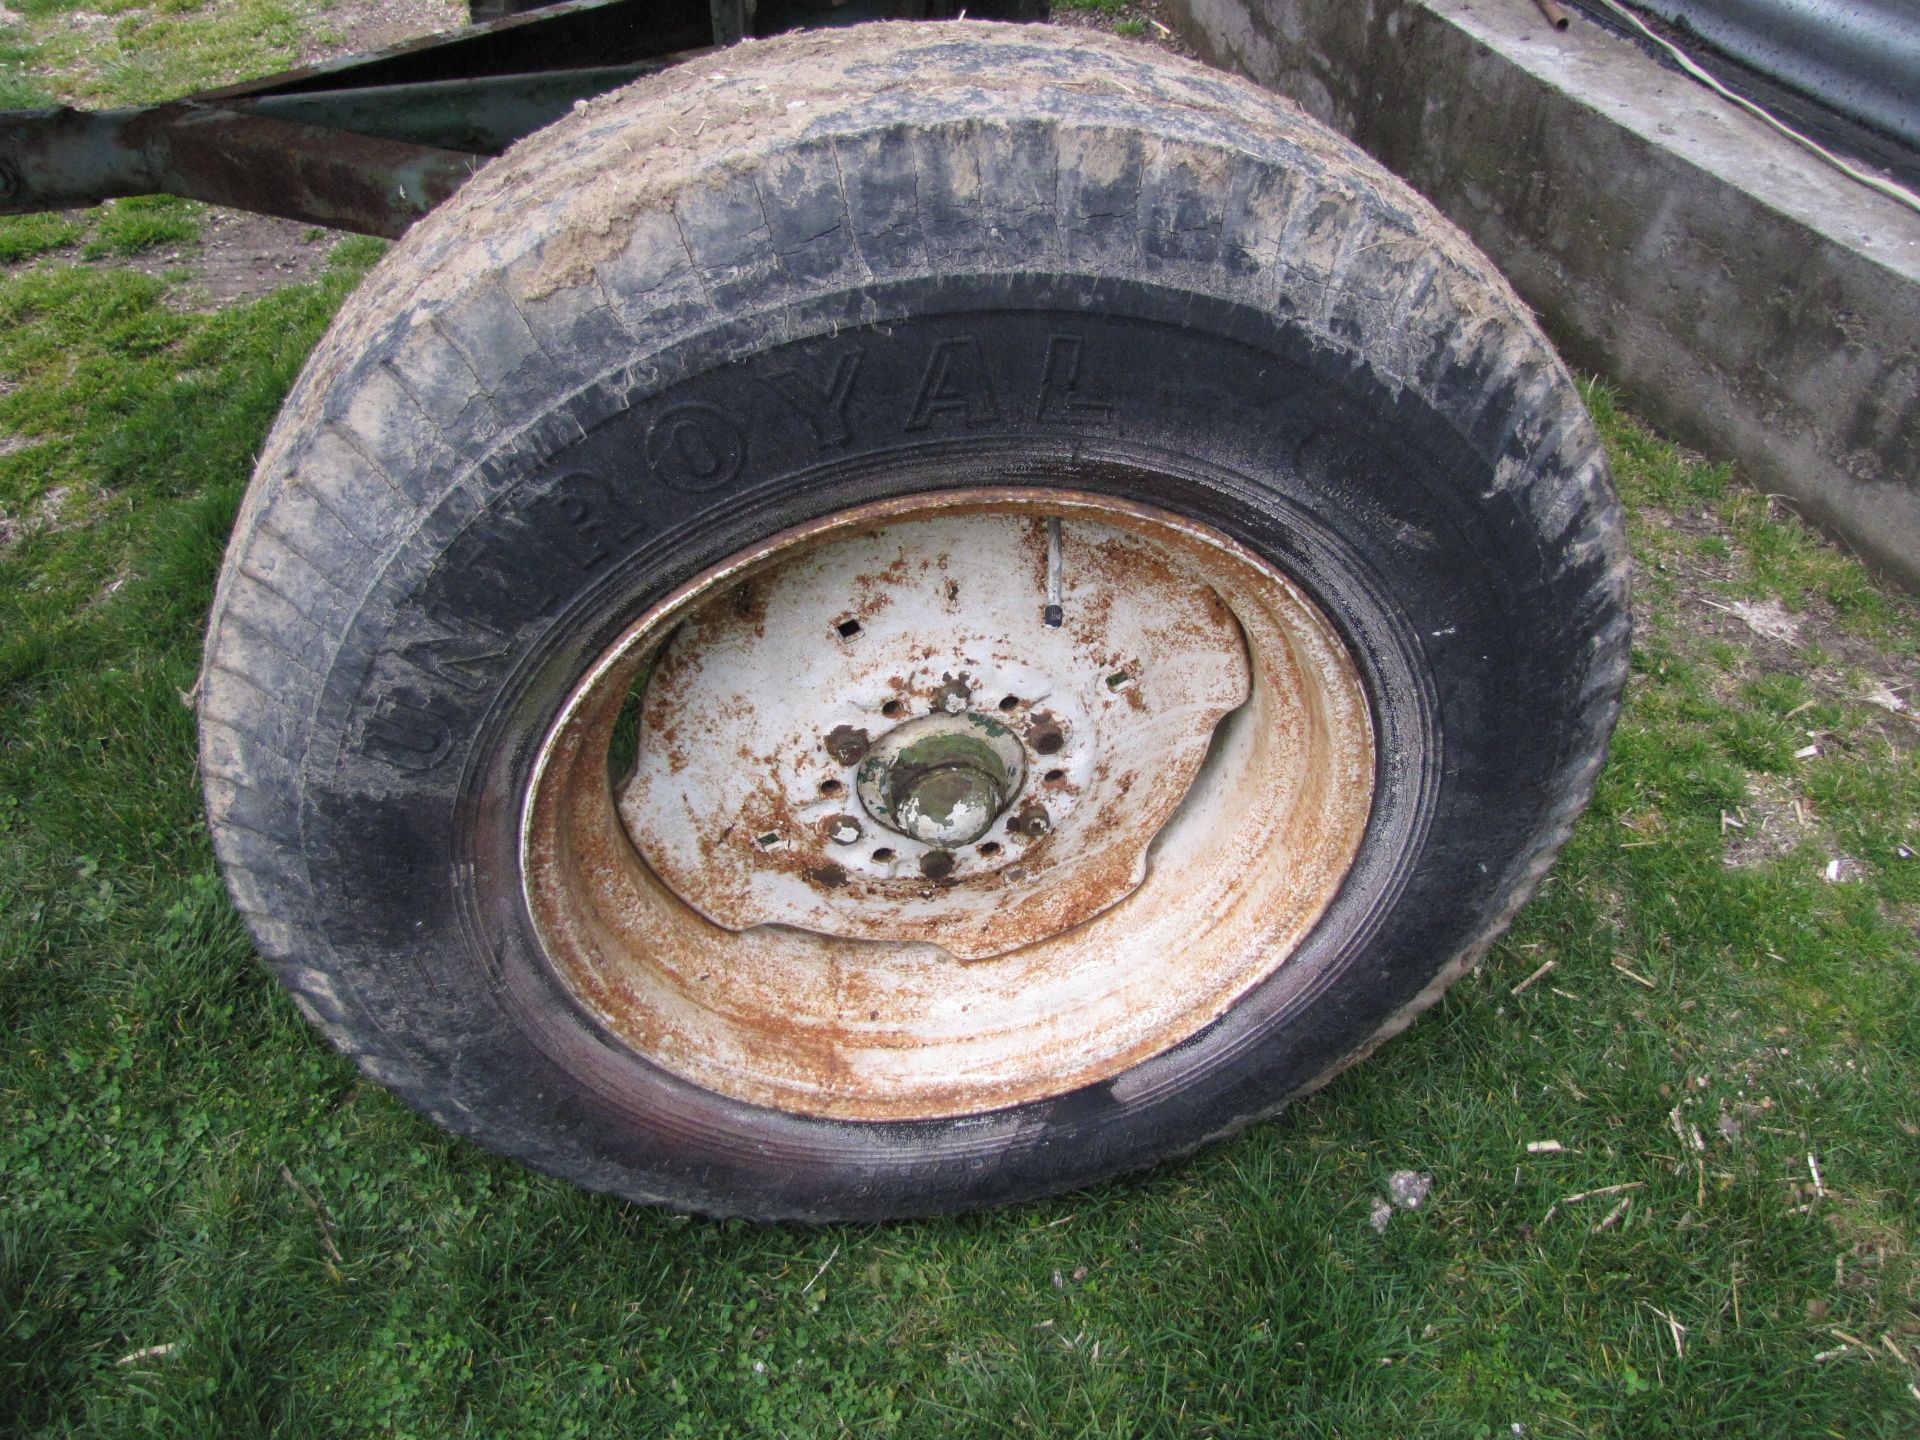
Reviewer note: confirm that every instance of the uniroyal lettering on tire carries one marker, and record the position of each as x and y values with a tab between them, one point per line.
903	620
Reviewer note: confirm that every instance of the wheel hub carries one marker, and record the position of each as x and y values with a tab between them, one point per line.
1000	710
942	780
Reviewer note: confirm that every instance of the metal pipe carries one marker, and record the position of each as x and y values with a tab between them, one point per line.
484	114
56	158
1861	57
51	159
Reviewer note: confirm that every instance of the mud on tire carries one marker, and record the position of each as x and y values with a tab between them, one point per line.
832	271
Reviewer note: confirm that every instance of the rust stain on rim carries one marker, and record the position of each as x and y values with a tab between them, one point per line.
1209	895
1067	745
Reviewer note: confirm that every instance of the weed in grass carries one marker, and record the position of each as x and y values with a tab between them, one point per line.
23	237
144	222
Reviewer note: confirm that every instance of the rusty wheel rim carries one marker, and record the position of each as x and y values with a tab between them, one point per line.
796	910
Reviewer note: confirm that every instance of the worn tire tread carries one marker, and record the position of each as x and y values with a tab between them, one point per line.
500	306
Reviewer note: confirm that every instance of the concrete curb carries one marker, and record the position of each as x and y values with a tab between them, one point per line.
1748	299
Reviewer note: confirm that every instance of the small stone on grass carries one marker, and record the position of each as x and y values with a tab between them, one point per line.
1408	1188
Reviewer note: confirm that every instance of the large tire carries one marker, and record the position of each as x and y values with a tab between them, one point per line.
620	357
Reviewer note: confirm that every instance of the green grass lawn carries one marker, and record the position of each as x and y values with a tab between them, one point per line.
210	1225
143	52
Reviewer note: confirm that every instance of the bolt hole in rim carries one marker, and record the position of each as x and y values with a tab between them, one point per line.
900	986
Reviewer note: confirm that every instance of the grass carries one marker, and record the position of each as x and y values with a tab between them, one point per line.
20	87
24	237
143	52
1131	18
119	229
210	1225
142	223
185	1165
108	53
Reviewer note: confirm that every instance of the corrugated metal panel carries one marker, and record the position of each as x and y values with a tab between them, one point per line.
1861	57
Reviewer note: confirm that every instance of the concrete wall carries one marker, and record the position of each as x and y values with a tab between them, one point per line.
1749	300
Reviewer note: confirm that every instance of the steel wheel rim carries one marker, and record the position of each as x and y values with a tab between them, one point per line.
1236	872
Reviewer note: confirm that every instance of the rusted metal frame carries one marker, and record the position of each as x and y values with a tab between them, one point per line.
372	142
52	159
580	35
360	155
483	115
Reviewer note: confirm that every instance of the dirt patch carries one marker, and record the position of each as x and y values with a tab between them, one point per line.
242	257
238	257
1811	642
1766	618
1773	823
49	513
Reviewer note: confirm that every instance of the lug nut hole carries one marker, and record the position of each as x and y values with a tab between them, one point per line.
893	708
1054	777
1009	702
991	847
883	855
831	787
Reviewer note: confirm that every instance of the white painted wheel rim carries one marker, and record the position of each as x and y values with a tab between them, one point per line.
1208	783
